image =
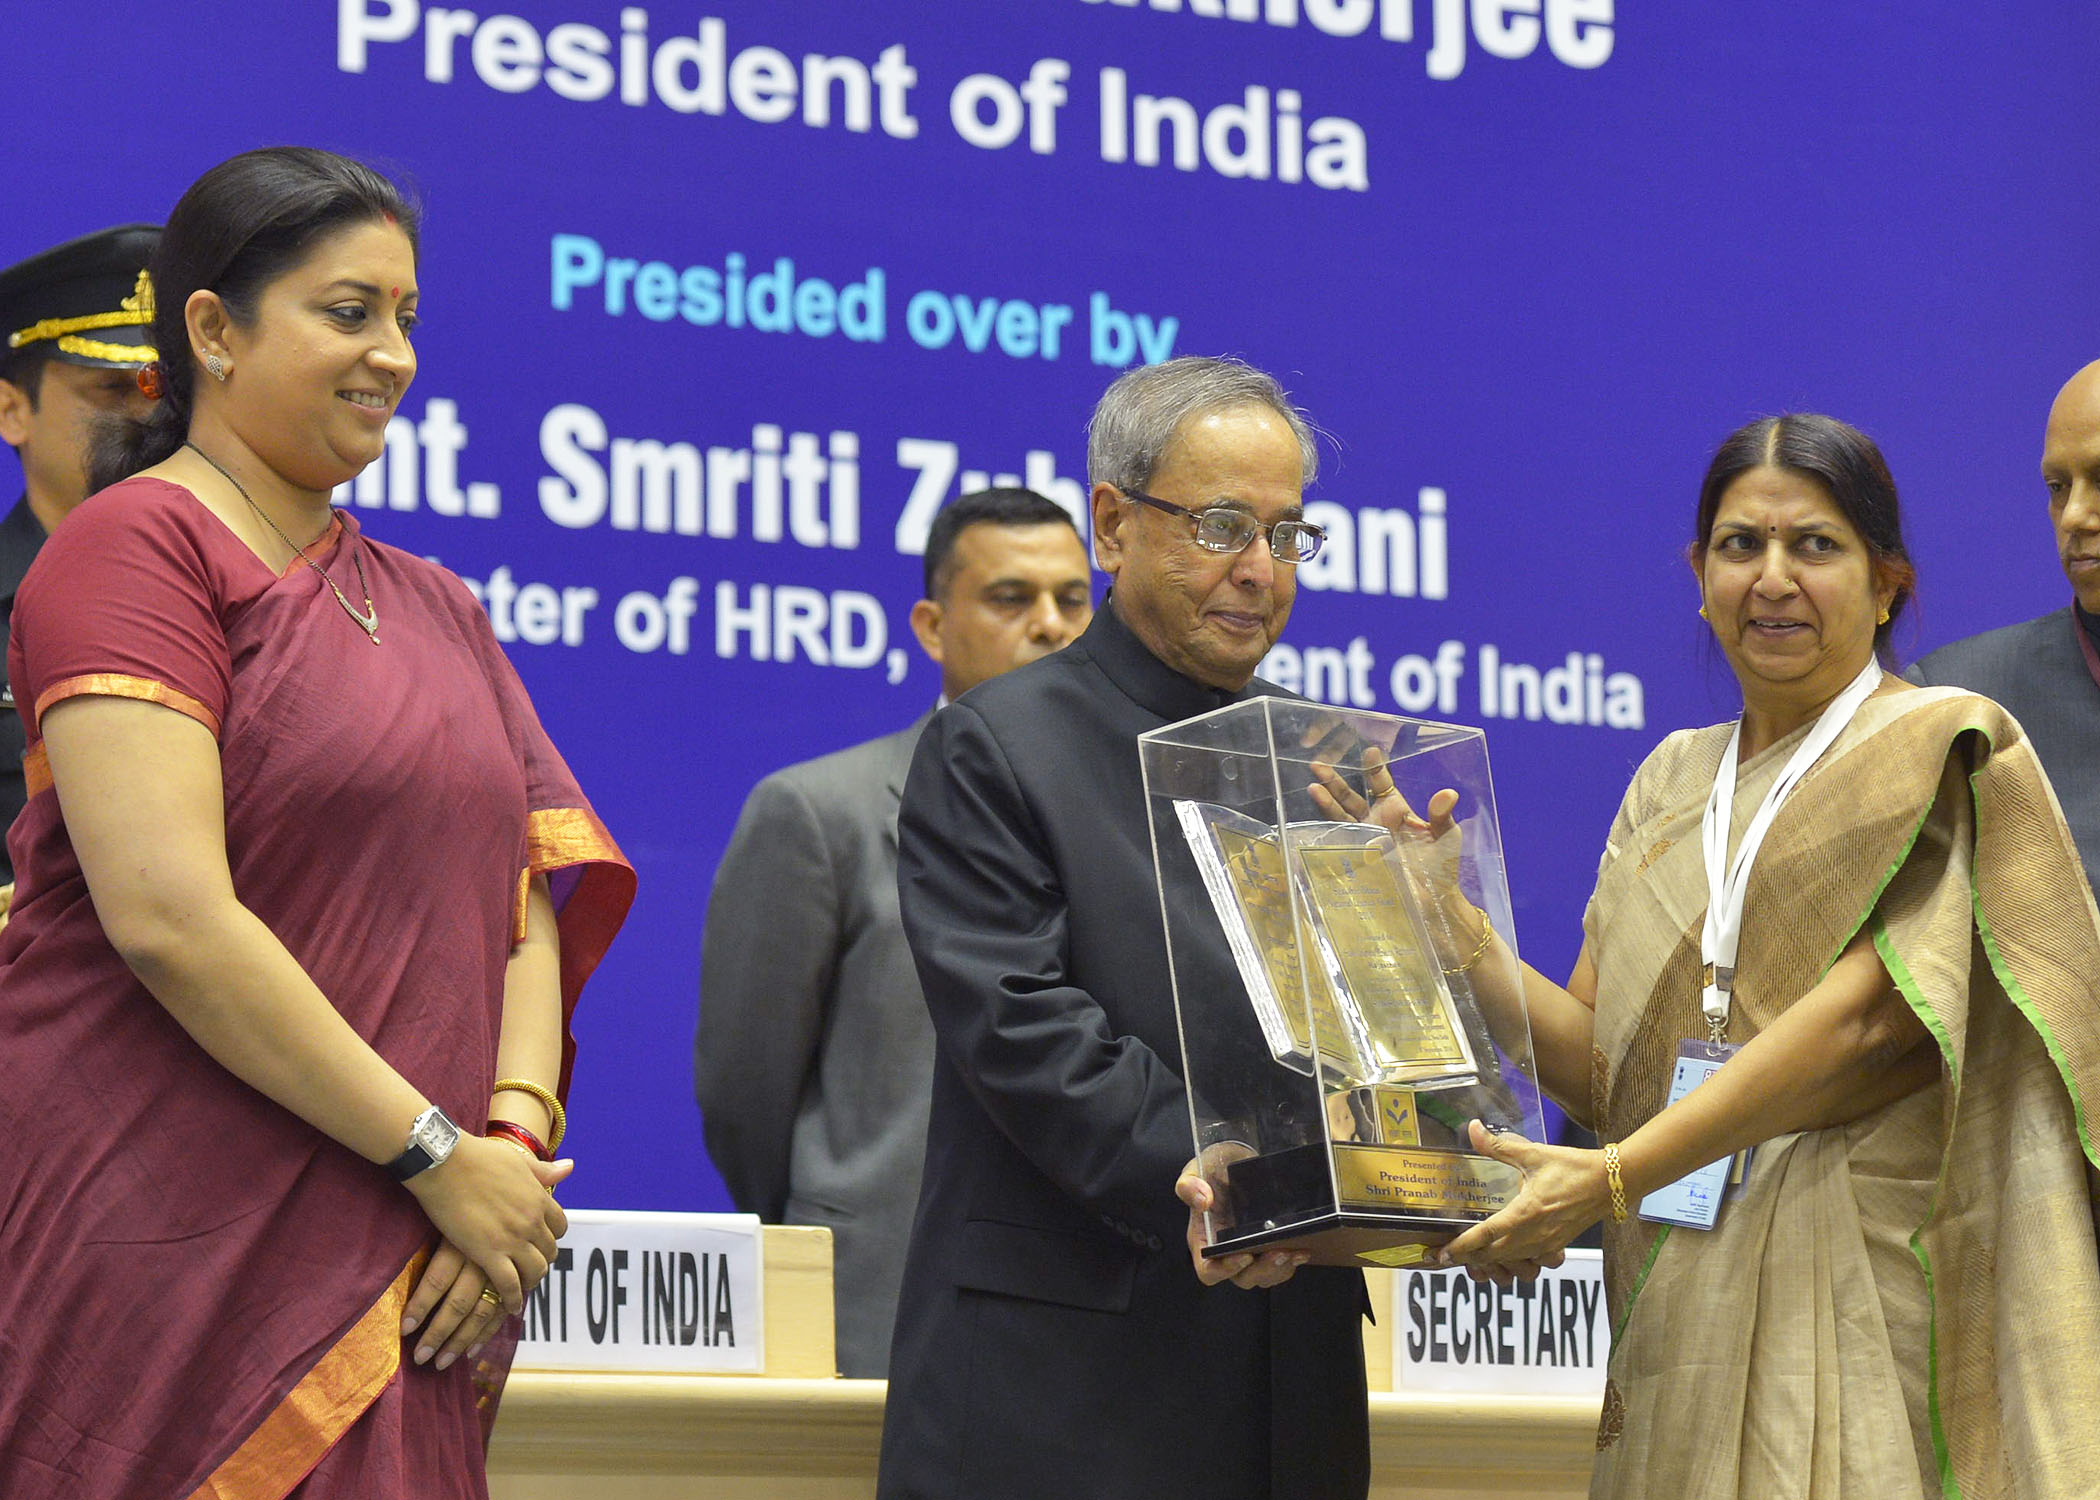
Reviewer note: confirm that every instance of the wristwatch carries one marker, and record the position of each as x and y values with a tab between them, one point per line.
430	1142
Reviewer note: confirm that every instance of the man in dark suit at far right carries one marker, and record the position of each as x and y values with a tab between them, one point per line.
813	1060
2047	670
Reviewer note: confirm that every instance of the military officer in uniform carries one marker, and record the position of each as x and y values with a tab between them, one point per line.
75	335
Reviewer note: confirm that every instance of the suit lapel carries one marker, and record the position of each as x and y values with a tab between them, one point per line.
902	744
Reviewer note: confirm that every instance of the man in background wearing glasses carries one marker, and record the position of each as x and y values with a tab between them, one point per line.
1055	1335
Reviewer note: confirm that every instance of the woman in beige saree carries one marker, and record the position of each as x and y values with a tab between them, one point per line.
1904	1298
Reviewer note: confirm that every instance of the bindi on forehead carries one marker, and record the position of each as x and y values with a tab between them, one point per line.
1775	527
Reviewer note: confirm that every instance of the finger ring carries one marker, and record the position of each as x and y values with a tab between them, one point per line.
490	1295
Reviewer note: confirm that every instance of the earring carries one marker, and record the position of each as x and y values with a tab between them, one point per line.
1703	614
215	367
1883	617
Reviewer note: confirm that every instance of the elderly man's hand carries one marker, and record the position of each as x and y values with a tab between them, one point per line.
1269	1268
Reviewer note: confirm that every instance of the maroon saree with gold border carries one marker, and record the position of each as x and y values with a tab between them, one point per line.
203	1293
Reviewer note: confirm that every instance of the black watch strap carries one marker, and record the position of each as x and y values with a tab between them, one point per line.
430	1141
410	1162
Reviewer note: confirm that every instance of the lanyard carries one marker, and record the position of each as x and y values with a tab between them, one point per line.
1726	884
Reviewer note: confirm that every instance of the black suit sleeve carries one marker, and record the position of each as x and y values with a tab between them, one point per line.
767	956
985	911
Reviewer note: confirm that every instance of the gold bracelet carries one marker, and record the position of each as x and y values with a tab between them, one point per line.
1615	1183
1487	936
557	1117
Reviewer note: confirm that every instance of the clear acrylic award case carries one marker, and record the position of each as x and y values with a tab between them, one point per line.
1345	975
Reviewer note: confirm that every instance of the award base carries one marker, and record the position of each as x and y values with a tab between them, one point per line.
1346	1239
1285	1201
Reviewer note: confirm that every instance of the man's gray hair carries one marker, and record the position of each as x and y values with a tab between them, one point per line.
1141	412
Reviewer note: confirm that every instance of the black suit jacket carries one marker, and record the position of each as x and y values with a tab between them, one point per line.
2036	671
1052	1338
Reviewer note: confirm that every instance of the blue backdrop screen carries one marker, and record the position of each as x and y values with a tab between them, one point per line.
722	300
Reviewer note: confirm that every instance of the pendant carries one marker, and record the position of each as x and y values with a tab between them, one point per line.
368	622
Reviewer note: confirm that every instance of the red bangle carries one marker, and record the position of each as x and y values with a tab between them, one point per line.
506	1130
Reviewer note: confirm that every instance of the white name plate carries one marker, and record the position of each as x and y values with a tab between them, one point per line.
1551	1337
634	1292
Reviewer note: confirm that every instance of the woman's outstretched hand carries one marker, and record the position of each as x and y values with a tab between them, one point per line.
1564	1192
1428	850
1384	805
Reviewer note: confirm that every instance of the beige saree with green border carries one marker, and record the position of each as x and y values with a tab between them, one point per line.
1910	1304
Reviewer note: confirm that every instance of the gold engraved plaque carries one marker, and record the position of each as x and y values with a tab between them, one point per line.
1244	871
1377	954
1405	1179
1262	887
1336	961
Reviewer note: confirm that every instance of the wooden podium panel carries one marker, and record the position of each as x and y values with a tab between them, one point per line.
793	1435
655	1437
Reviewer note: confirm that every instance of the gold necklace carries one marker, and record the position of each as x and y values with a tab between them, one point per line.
368	622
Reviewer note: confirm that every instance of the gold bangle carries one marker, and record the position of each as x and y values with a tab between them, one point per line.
557	1117
1615	1183
1487	936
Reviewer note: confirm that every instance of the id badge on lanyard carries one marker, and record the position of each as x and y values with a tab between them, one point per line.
1694	1200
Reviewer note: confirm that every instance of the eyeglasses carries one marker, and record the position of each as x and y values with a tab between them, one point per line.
1222	528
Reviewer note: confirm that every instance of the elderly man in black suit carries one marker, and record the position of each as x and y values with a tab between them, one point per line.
2046	671
813	1059
1056	1335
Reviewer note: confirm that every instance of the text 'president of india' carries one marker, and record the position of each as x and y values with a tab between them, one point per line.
1053	1337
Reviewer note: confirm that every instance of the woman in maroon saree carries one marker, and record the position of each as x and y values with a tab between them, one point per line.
285	880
